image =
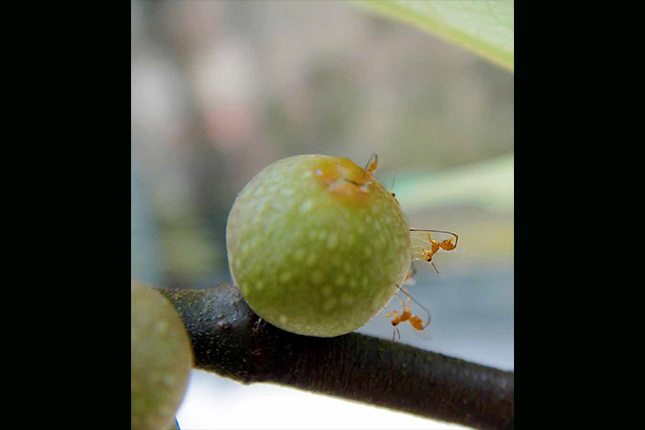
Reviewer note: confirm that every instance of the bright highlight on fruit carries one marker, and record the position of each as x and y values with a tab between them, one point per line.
316	245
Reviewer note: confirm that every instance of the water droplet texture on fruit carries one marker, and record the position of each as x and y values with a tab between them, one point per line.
316	245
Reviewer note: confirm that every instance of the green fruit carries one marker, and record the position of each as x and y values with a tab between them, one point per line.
316	245
160	359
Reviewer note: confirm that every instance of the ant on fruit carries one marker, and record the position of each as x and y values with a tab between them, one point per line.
426	254
407	315
371	166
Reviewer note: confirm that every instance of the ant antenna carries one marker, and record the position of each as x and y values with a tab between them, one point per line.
372	163
412	272
417	303
393	183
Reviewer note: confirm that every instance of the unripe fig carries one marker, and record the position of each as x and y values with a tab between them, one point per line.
160	359
316	245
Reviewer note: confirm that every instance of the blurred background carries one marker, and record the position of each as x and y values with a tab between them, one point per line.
221	89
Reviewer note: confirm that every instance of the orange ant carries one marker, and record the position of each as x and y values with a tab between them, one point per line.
427	254
371	166
407	315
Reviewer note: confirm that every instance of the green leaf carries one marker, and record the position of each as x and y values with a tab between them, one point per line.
486	27
487	184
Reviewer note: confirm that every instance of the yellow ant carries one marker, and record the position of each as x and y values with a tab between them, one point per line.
371	166
426	254
407	315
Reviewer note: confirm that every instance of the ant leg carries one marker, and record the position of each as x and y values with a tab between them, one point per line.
418	249
406	306
434	267
426	256
401	300
409	277
395	314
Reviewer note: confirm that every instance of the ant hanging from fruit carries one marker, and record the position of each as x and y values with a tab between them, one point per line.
406	315
426	254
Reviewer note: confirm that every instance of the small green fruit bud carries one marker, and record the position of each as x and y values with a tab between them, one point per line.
160	359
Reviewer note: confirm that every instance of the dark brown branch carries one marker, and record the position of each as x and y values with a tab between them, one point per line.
229	339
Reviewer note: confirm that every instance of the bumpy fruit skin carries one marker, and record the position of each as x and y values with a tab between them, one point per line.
316	245
160	359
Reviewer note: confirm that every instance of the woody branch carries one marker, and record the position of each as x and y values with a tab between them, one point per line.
230	340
